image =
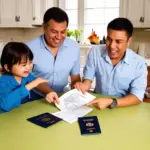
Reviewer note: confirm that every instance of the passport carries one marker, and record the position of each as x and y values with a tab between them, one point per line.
89	125
44	120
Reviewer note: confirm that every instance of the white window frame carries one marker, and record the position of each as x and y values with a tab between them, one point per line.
80	15
80	24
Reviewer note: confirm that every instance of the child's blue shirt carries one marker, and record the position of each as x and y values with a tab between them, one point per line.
13	94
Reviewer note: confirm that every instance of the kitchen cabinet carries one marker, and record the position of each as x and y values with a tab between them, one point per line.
15	13
39	7
37	11
137	11
23	13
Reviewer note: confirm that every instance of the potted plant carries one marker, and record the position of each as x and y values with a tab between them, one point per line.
76	34
69	33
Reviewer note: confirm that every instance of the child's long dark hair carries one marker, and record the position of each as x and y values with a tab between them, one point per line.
13	52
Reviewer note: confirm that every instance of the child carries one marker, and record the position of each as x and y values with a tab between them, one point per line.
16	81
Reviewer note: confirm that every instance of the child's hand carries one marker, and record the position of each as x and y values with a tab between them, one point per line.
52	97
35	83
38	81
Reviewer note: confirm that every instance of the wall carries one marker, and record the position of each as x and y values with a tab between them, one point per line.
141	35
19	34
141	41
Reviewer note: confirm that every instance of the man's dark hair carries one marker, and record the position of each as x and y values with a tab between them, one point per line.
122	24
57	14
13	52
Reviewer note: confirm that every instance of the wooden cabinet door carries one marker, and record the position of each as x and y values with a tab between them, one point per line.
146	13
24	13
39	8
135	12
37	12
8	13
49	3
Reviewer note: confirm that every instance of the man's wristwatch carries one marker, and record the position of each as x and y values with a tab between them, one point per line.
113	104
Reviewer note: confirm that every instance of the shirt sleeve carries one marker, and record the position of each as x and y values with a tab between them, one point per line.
90	67
76	68
9	98
138	85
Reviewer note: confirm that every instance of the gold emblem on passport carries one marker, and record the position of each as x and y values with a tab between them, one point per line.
45	119
89	124
91	130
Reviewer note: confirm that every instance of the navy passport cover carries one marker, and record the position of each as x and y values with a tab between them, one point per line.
89	125
44	120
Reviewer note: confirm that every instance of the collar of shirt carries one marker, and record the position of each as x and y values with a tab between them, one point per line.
13	80
43	43
124	60
126	57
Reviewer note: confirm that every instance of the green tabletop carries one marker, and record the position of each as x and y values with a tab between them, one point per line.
125	128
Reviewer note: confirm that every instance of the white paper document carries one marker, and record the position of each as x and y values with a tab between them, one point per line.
72	116
72	106
73	99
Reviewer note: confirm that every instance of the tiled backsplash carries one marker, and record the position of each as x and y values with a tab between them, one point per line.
19	34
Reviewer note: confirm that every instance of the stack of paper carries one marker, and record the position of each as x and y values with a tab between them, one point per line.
72	106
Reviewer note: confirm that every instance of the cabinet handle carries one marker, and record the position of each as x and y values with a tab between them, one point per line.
141	19
34	18
18	18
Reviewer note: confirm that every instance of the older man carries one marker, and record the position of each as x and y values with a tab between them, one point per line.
56	57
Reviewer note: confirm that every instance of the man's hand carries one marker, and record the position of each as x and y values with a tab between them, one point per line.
52	97
81	87
100	103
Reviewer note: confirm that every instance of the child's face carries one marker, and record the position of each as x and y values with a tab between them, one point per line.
23	69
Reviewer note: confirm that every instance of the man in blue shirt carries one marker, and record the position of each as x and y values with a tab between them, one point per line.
118	70
56	57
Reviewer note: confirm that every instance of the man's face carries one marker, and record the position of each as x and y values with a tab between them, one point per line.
55	33
116	43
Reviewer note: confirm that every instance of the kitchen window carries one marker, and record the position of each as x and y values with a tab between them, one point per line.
90	14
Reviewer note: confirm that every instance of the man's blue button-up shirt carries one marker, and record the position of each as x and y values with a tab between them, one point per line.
57	70
129	76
